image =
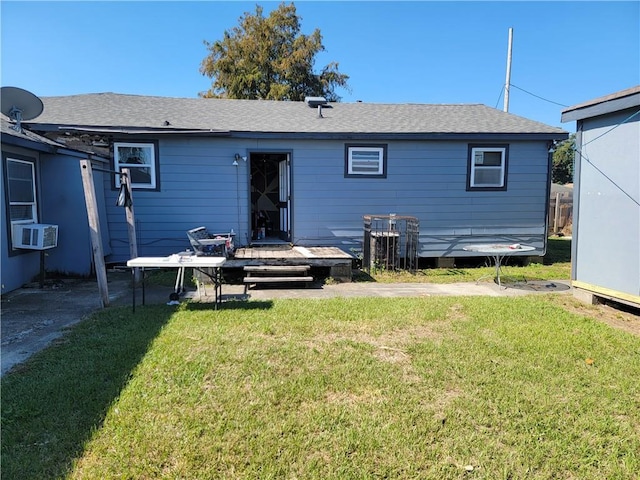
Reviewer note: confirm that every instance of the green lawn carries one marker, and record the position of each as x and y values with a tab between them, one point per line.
555	265
409	388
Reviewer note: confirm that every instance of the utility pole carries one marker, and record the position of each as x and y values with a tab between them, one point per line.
507	82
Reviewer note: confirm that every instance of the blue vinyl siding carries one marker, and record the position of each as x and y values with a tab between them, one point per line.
64	205
22	268
198	187
426	179
61	202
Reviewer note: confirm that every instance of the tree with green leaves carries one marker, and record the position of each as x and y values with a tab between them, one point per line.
563	159
268	58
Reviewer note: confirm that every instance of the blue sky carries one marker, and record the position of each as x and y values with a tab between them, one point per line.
564	53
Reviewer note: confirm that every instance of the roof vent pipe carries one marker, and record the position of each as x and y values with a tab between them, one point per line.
319	111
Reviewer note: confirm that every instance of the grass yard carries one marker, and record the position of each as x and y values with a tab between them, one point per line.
406	388
555	265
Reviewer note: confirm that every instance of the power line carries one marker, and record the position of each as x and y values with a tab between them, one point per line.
499	97
612	128
538	96
607	177
586	159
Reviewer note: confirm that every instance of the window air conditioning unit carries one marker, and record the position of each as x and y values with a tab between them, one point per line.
35	236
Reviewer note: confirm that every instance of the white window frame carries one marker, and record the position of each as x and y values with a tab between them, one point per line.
33	204
351	170
149	164
474	167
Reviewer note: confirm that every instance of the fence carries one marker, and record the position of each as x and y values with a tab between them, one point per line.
390	242
560	212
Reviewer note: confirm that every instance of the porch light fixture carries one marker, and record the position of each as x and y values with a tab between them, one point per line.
238	157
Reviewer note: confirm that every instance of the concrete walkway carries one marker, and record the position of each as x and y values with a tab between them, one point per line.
32	318
372	289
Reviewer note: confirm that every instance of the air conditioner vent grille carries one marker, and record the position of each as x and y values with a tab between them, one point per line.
35	236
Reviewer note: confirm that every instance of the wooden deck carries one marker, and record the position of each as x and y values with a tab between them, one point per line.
339	261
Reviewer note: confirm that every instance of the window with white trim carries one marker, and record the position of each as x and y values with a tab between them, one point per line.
140	159
487	167
21	191
365	161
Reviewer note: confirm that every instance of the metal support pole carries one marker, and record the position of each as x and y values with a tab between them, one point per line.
507	82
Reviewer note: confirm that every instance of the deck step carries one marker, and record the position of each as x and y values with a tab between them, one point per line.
262	274
277	279
277	268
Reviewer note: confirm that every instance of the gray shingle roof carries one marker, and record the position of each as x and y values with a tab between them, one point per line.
629	98
133	111
8	134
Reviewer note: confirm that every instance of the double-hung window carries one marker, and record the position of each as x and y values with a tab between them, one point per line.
365	161
21	190
140	159
487	167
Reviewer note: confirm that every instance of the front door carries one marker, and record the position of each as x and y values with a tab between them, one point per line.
270	197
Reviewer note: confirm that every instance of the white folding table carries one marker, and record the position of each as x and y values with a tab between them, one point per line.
180	261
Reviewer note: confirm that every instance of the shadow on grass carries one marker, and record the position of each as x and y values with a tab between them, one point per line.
361	276
558	251
453	271
533	285
52	404
233	303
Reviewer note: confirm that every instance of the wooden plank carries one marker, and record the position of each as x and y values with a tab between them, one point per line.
322	252
94	228
277	268
293	253
276	279
125	178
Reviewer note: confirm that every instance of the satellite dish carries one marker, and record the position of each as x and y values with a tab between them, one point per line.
19	104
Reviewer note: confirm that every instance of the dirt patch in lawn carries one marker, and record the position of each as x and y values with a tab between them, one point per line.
615	315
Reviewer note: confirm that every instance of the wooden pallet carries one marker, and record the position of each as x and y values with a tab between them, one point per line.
265	274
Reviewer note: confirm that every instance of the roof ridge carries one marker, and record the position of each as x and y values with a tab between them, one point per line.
263	100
